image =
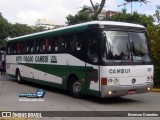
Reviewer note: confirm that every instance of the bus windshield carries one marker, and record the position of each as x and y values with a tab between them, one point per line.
125	46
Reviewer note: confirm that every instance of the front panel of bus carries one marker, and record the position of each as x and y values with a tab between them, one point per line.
126	63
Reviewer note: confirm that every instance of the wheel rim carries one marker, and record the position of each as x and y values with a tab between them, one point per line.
77	87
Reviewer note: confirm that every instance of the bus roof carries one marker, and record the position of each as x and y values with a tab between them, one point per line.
80	26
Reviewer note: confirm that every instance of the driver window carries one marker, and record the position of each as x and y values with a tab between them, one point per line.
93	46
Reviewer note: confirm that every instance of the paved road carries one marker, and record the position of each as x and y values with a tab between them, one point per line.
59	100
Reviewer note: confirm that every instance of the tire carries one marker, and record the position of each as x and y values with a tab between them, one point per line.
18	77
75	88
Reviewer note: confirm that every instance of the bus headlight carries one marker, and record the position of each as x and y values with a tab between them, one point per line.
109	92
115	81
110	81
148	89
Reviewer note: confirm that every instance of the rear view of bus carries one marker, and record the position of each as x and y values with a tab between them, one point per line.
126	66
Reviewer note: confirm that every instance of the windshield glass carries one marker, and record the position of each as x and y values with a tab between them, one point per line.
125	46
139	47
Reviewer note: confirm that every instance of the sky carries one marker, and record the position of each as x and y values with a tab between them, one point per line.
29	11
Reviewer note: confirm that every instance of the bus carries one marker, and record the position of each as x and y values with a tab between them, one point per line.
97	58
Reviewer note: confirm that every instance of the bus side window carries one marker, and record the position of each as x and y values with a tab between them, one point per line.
46	45
62	43
32	49
93	46
56	44
37	46
70	43
27	49
41	47
12	48
49	44
22	48
74	42
18	48
8	49
79	46
79	39
49	47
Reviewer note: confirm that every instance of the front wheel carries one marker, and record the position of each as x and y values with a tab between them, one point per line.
75	88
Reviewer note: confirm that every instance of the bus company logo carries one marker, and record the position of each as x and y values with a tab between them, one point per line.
133	80
119	71
53	59
38	96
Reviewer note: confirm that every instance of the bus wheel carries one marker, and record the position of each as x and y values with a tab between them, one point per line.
75	88
18	77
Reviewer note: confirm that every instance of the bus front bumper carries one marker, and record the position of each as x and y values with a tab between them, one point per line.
113	91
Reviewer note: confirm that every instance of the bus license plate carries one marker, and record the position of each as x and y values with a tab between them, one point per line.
131	91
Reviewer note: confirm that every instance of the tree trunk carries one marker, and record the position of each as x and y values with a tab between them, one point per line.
97	11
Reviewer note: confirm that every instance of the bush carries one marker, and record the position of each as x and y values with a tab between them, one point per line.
154	34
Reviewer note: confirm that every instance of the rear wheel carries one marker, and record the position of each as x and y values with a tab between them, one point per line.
75	88
18	77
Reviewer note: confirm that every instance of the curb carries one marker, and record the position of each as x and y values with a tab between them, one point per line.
155	90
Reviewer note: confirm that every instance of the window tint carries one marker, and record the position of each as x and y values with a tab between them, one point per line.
52	44
75	42
93	46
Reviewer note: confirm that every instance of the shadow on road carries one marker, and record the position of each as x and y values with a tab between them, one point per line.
113	100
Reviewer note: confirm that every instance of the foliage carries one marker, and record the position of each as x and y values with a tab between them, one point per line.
78	18
154	34
23	29
134	18
4	29
14	30
83	15
20	29
157	14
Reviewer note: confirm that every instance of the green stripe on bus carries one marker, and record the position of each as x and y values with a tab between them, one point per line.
58	70
64	72
47	83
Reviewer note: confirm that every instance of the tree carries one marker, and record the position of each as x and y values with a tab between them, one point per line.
38	28
135	18
20	29
157	14
97	8
4	29
141	1
154	35
80	17
15	30
23	29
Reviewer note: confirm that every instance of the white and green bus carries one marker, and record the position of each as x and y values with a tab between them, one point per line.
99	58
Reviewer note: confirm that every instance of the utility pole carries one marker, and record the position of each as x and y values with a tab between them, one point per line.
131	7
124	4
